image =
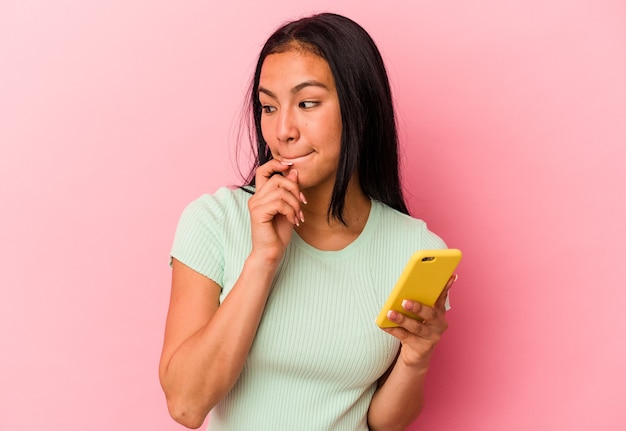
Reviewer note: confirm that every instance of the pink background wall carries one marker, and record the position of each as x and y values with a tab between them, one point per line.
115	114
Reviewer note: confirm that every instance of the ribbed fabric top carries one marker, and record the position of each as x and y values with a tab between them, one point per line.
317	354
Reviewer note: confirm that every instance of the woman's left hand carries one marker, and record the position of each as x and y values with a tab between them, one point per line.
420	336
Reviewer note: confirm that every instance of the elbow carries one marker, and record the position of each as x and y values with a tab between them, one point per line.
181	413
386	422
189	406
185	410
388	427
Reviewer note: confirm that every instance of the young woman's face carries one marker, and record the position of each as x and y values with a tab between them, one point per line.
301	119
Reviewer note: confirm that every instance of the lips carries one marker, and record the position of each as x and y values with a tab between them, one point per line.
295	159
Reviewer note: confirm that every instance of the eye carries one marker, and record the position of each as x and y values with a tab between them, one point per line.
308	104
268	109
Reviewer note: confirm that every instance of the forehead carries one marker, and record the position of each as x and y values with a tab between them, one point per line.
290	68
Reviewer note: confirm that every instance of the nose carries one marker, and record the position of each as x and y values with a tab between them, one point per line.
286	127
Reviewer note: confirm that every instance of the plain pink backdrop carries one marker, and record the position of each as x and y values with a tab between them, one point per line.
115	114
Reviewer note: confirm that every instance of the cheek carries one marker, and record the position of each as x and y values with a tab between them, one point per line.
336	123
267	138
334	131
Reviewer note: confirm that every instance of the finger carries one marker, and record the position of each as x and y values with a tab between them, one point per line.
426	329
288	181
410	326
283	208
268	170
441	301
286	188
287	184
292	177
275	200
419	310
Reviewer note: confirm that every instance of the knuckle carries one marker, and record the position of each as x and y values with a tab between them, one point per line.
419	329
403	335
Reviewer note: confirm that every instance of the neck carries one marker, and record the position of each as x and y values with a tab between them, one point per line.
326	233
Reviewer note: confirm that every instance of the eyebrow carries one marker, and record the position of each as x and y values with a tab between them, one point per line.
297	88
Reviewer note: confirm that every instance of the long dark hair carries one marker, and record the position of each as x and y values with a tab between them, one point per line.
369	140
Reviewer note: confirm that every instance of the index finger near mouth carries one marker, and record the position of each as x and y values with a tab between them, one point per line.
268	170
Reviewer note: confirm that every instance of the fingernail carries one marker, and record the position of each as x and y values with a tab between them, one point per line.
295	172
407	305
297	222
392	315
456	277
286	163
302	216
303	199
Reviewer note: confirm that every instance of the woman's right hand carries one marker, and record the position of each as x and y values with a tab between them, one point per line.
207	340
275	209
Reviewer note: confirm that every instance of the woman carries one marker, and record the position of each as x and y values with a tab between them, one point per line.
276	286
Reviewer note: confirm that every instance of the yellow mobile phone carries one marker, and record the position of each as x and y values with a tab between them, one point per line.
423	279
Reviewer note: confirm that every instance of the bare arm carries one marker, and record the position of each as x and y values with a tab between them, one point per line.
400	396
206	343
